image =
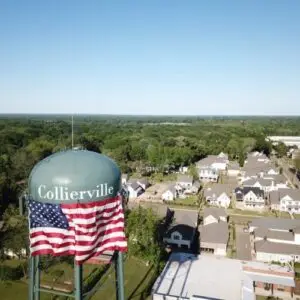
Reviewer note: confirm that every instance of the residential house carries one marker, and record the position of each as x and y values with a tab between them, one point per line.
239	194
170	194
213	234
183	169
233	169
196	187
143	182
125	178
208	174
219	194
267	185
253	198
276	239
134	190
285	200
217	162
181	232
185	181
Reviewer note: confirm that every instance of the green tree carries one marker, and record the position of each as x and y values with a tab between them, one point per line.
142	228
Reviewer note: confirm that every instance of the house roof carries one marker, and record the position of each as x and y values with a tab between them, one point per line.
171	188
274	197
275	223
184	222
274	234
218	189
293	193
216	212
204	277
185	178
214	233
256	190
185	217
134	185
143	181
261	181
276	248
233	165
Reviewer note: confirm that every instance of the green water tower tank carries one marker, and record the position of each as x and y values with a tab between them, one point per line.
74	176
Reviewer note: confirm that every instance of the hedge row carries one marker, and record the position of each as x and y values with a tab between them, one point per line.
10	273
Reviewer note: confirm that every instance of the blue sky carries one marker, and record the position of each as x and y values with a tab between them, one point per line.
150	57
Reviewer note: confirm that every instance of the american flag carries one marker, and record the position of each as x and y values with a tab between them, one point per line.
83	230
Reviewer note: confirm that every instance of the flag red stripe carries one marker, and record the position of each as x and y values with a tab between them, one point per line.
104	219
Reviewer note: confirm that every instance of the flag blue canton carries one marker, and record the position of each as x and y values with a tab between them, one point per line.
46	215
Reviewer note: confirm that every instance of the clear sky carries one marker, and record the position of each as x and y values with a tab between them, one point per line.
150	57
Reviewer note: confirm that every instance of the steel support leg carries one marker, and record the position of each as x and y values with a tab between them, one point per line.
78	281
37	278
31	285
119	276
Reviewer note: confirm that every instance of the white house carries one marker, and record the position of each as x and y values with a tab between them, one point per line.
208	174
233	169
276	239
170	194
185	181
183	169
253	198
214	234
219	195
125	178
134	190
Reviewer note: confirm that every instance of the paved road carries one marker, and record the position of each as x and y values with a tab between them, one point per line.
243	245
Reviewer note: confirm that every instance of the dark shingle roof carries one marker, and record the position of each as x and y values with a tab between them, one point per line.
274	234
256	190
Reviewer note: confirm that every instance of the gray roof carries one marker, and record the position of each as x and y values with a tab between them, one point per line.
216	212
218	189
171	188
274	197
185	178
274	234
204	276
261	181
277	248
233	165
143	181
185	217
293	193
275	223
134	185
214	233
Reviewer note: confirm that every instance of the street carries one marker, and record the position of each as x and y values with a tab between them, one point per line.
243	245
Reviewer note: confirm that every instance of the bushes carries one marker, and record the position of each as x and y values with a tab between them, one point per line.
10	273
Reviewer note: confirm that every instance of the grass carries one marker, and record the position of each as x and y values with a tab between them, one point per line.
137	277
191	200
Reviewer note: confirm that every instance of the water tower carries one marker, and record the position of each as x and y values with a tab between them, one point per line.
75	209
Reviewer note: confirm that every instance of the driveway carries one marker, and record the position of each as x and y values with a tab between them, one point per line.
243	245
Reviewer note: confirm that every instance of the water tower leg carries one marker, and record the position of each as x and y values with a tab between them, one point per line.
37	278
31	286
78	281
120	276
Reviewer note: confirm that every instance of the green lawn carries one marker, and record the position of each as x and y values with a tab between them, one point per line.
137	277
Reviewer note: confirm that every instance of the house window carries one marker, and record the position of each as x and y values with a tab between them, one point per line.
176	237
